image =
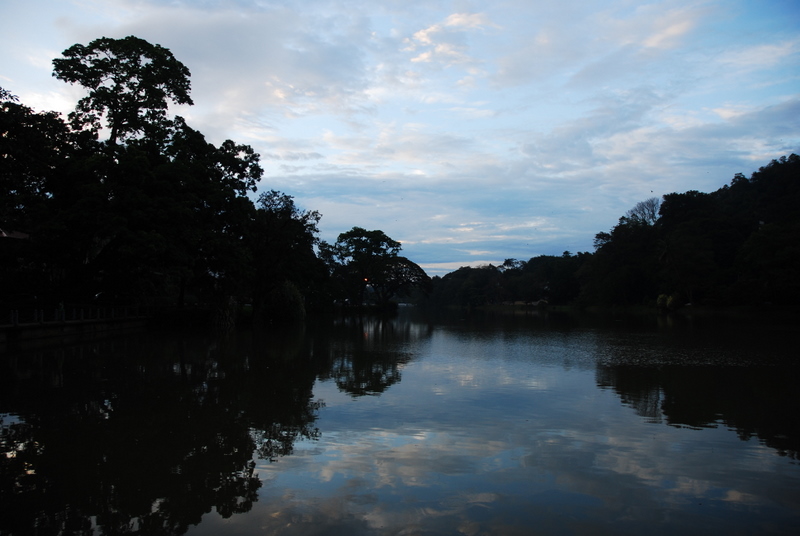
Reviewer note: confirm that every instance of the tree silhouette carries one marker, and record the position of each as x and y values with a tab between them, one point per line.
130	82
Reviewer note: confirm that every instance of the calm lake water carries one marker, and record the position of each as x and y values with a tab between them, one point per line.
473	424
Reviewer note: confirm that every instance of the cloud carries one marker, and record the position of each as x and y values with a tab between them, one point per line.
292	156
762	56
545	122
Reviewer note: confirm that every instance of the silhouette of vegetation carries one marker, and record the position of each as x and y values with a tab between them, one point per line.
125	204
735	246
540	281
367	269
288	274
129	82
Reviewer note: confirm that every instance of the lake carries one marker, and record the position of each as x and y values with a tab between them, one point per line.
526	423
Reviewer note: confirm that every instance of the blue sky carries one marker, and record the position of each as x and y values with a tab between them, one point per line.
471	131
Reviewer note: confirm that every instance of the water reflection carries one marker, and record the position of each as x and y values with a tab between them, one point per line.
145	435
368	353
756	401
473	425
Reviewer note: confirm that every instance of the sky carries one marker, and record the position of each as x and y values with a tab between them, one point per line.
470	131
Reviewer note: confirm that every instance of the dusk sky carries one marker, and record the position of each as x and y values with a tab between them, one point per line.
470	131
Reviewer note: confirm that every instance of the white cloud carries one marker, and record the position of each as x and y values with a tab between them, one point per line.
563	114
444	43
761	56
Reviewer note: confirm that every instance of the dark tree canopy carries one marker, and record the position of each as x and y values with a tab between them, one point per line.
645	211
287	272
157	214
363	247
32	147
130	82
363	261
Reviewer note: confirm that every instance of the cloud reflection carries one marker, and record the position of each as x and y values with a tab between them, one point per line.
520	436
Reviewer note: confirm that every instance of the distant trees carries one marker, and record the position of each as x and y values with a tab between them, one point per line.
736	245
553	279
468	287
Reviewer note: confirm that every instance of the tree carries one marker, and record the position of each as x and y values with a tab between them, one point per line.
32	146
282	238
208	184
39	161
553	278
362	248
623	269
362	259
395	276
645	211
163	211
152	213
130	82
469	287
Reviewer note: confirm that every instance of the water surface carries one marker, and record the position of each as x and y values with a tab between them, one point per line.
469	425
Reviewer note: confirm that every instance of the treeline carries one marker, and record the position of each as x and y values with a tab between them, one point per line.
121	204
739	245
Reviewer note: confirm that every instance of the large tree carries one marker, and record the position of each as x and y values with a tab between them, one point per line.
363	260
130	82
161	211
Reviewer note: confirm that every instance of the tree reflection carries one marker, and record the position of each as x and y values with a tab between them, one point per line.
369	356
143	436
755	401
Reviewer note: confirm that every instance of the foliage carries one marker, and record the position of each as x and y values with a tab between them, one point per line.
367	267
622	268
736	245
32	147
645	212
129	82
542	279
282	238
155	213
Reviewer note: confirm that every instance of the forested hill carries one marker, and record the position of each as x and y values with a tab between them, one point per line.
739	245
